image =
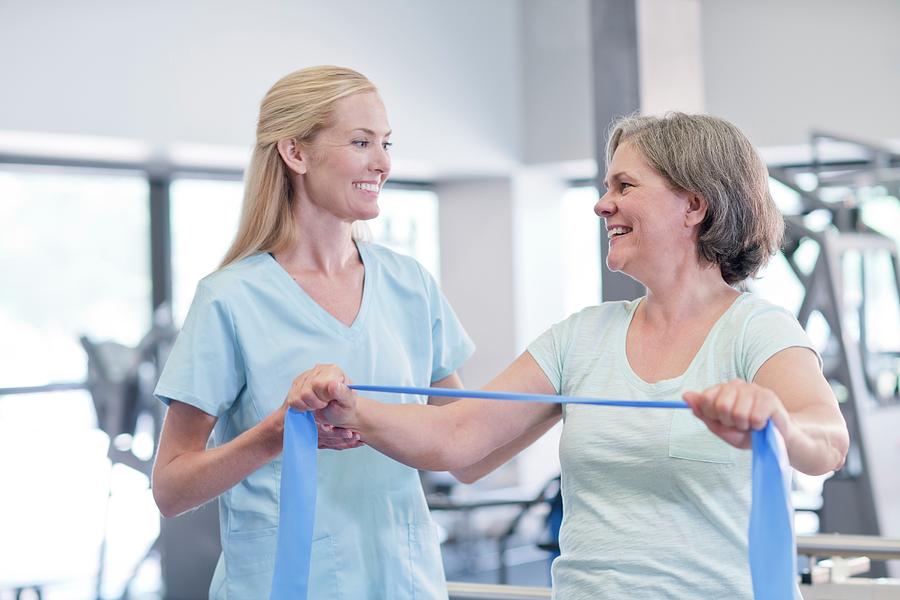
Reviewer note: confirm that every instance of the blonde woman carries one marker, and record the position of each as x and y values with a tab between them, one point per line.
656	502
297	289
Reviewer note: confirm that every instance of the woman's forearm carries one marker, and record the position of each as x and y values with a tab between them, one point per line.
436	438
815	434
187	474
821	442
433	438
501	456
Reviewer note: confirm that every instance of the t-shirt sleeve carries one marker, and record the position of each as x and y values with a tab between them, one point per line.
205	368
451	345
768	332
550	348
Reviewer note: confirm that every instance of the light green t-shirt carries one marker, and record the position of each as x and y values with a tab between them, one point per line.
655	506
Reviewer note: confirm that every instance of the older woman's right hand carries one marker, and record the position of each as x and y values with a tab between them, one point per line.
324	389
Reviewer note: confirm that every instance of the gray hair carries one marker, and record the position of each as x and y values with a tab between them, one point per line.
713	159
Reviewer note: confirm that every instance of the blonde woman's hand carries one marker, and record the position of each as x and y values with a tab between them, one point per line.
323	389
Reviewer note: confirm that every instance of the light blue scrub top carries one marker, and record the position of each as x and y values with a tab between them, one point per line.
250	331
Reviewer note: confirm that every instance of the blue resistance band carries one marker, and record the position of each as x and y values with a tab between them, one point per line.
297	512
550	399
772	551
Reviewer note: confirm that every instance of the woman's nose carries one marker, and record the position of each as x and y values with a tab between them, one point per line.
381	161
605	207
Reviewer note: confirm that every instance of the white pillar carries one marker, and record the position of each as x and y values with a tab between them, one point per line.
670	62
475	217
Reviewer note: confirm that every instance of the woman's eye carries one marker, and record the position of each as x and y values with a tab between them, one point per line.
361	143
387	145
625	185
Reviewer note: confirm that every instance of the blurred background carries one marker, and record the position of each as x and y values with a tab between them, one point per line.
124	131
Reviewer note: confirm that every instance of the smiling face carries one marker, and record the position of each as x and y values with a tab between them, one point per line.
348	162
649	224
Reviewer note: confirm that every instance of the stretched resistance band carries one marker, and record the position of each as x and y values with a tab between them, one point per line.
772	548
297	512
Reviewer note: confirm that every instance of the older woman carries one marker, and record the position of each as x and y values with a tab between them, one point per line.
657	502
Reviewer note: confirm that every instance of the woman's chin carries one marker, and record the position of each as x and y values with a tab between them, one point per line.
613	264
367	214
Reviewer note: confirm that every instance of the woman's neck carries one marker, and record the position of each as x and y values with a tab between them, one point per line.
685	293
323	242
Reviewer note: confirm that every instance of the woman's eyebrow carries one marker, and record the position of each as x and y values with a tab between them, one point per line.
617	176
368	131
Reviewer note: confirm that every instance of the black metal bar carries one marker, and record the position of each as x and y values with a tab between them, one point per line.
160	241
810	201
617	92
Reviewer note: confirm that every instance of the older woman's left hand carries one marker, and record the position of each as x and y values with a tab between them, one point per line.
732	410
336	438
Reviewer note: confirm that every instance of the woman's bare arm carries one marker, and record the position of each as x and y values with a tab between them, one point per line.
789	388
436	438
502	455
186	474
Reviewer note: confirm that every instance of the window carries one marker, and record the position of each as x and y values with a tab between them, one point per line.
408	224
204	220
205	215
581	240
74	253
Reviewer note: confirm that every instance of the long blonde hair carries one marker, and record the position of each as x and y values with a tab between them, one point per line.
298	106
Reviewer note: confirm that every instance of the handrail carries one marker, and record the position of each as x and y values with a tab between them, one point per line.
874	147
458	590
837	544
40	389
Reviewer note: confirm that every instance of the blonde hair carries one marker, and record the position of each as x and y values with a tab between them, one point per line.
298	106
712	158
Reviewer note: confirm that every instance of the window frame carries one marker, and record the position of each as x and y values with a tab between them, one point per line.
159	174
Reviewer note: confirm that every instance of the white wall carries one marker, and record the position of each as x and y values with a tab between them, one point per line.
670	57
557	81
777	68
780	68
170	71
476	231
538	251
472	87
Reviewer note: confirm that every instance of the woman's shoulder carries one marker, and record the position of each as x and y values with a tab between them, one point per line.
223	281
611	309
383	254
749	305
599	315
752	316
399	266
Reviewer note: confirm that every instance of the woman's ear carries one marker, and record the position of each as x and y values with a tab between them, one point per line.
292	156
696	210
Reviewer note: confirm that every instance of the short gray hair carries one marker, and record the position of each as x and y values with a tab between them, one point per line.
712	158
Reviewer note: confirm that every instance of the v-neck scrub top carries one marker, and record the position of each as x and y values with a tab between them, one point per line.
249	332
